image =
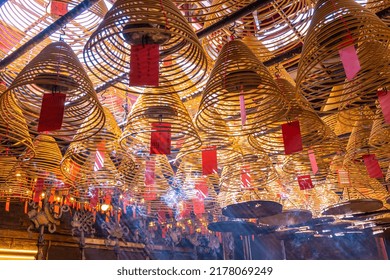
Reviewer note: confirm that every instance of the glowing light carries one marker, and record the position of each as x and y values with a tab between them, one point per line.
104	207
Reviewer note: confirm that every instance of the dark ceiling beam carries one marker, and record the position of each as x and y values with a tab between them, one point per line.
55	26
2	2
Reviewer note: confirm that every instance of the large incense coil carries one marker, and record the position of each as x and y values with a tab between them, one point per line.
33	16
322	196
55	69
313	130
46	163
15	139
320	68
163	177
380	134
107	52
163	108
290	18
237	72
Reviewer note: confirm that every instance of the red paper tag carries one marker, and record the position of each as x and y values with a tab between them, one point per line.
107	199
198	205
384	101
38	190
202	189
94	198
246	179
56	208
209	161
150	193
150	167
7	204
349	59
161	215
144	65
74	170
99	156
313	162
305	182
292	139
372	166
242	110
58	8
160	140
52	112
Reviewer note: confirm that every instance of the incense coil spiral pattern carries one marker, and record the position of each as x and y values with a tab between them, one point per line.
159	108
335	26
238	78
55	69
107	51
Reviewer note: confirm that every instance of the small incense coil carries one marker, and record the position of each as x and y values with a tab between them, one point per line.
55	69
107	51
238	74
380	134
152	108
338	24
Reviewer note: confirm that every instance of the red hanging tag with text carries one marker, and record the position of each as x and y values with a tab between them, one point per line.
292	139
144	65
384	101
246	179
52	112
161	215
349	58
38	190
372	165
202	188
107	199
150	167
198	205
160	139
313	162
209	161
7	203
150	193
242	109
99	156
58	8
305	182
93	201
74	170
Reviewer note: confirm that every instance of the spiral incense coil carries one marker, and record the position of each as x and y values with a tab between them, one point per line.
358	144
313	130
337	25
239	78
14	137
55	69
46	163
107	52
290	18
162	108
380	134
15	186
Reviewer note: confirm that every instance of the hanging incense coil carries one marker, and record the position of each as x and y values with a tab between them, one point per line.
107	52
46	163
55	69
15	139
153	109
336	25
15	187
313	130
290	18
238	74
380	134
